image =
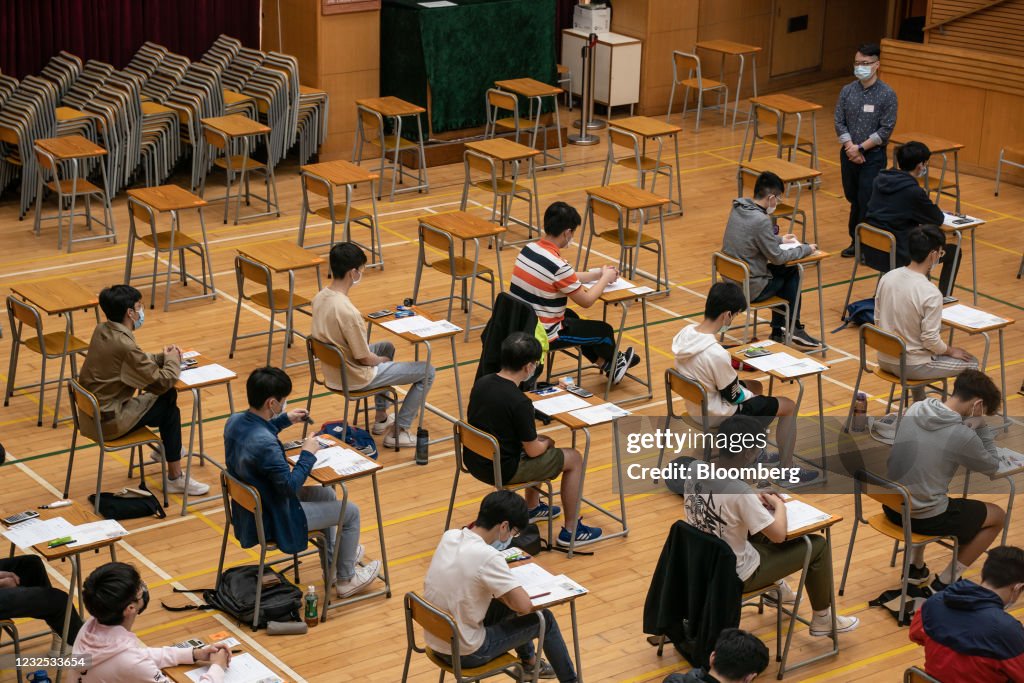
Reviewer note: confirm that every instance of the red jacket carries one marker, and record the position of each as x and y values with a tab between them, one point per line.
968	637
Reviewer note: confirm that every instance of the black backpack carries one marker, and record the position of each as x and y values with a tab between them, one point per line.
236	595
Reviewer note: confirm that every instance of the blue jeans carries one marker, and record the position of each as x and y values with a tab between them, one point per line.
322	508
507	630
418	374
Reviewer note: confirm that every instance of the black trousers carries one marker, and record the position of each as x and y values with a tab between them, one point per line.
35	598
784	284
164	415
596	338
858	180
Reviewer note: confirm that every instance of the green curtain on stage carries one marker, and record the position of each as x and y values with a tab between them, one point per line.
461	51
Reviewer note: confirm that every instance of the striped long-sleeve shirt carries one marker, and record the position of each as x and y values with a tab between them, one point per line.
543	279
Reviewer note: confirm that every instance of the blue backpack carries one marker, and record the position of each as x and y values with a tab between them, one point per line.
858	313
356	438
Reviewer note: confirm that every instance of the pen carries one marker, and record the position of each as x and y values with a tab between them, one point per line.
540	595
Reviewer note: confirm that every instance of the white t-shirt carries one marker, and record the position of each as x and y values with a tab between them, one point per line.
732	511
701	357
464	576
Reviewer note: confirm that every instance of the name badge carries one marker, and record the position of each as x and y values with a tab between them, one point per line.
869	109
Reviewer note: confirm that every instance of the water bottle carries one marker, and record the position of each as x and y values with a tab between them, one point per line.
310	611
860	412
38	677
422	440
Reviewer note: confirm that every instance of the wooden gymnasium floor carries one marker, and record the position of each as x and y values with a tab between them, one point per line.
365	642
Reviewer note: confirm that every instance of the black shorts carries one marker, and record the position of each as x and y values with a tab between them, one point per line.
963	518
759	406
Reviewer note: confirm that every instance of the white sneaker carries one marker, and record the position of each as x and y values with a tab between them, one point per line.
823	627
405	439
195	488
786	593
363	577
56	646
379	428
360	552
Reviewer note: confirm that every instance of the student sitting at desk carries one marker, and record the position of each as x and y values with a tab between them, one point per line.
368	366
899	204
470	579
907	303
546	281
739	657
966	632
256	457
498	407
752	237
700	356
933	440
115	595
135	389
755	527
25	592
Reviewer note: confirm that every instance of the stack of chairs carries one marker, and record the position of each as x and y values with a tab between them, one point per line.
308	108
27	115
146	60
198	96
64	70
8	171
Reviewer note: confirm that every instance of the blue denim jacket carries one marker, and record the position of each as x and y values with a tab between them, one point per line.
255	456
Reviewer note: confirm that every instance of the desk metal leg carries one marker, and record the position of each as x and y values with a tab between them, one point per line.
458	385
796	607
332	575
974	255
575	641
739	84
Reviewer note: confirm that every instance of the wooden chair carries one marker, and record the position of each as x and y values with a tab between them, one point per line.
162	242
441	625
739	272
274	300
565	83
768	125
331	356
1016	151
498	102
370	129
236	166
10	628
690	64
340	213
68	190
895	497
246	497
635	159
486	446
691	391
630	241
891	345
503	190
458	268
52	346
915	675
876	238
85	412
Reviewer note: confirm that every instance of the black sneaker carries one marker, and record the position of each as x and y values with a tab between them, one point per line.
801	338
778	336
545	670
918	576
937	585
625	360
767	457
848	252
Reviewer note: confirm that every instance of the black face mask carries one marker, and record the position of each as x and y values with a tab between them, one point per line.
145	599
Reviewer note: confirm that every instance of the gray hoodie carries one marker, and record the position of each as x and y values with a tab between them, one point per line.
750	237
931	443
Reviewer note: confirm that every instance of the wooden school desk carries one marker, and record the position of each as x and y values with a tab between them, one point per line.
535	92
647	128
983	324
395	109
322	179
954	224
728	48
783	105
232	129
510	154
814	260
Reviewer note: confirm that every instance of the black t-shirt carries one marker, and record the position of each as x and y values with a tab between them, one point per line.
498	407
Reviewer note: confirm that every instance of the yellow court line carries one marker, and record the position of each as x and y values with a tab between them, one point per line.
176	622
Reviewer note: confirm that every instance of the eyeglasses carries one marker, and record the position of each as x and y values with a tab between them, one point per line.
856	63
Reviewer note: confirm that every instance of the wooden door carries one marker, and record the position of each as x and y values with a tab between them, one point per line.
798	27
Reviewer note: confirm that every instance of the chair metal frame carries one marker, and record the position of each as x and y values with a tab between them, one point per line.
914	674
248	497
343	213
370	129
876	238
442	625
10	628
736	267
83	400
637	160
691	61
270	299
485	445
898	497
505	189
629	240
68	192
687	388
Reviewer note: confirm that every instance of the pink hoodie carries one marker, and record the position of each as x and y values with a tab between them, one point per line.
119	657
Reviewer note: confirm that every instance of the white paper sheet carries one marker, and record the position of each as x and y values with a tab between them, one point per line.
189	354
970	317
435	329
803	366
28	533
403	325
1009	460
93	532
641	290
547	588
599	414
244	668
786	246
772	361
344	461
621	283
799	515
206	373
950	218
560	404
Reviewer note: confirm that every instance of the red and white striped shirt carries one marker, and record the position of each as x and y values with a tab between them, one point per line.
543	279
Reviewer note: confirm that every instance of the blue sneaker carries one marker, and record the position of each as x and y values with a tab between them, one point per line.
543	513
584	535
767	457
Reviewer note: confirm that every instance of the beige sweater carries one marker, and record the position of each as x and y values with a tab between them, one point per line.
909	305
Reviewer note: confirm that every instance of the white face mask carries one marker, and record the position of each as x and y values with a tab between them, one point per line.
357	280
140	318
283	408
725	326
863	73
769	209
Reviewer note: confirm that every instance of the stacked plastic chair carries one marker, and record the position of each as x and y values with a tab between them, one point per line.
27	115
198	96
8	171
309	108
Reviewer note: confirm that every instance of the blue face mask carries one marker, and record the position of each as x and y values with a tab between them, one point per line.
501	545
141	319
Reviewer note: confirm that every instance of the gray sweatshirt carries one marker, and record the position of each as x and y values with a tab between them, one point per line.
931	443
750	237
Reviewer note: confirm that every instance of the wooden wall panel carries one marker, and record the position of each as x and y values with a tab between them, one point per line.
999	28
969	96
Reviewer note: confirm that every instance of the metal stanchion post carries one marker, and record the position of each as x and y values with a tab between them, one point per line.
586	121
